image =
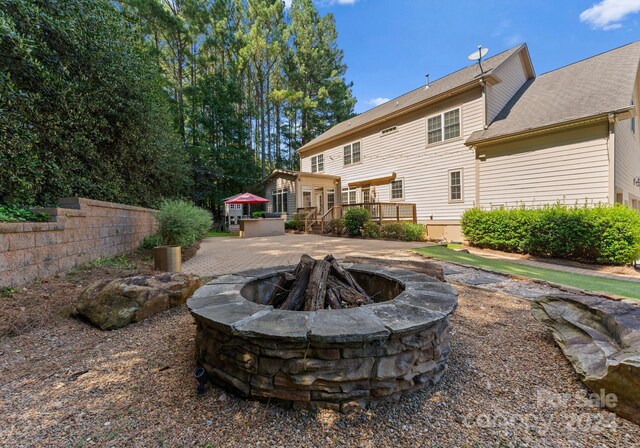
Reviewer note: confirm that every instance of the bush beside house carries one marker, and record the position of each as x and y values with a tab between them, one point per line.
355	219
357	222
602	234
181	223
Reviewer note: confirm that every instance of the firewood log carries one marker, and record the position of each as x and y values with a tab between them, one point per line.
295	298
281	289
346	277
331	300
316	291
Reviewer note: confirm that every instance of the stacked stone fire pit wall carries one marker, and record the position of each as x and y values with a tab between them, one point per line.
336	359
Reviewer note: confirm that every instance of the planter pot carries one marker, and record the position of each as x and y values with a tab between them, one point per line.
167	258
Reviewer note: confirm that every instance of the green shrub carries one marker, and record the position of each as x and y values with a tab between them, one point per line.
298	221
149	242
355	219
412	232
392	231
257	214
602	234
10	213
336	227
371	230
181	223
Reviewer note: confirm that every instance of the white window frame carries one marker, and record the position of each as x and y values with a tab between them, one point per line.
331	191
350	146
451	200
388	131
317	163
280	197
441	115
399	179
351	193
310	191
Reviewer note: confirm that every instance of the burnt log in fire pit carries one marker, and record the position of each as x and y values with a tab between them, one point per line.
393	341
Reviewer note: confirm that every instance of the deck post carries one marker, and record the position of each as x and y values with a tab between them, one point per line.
398	212
415	214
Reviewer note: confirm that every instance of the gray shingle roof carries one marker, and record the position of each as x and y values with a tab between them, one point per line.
596	86
454	80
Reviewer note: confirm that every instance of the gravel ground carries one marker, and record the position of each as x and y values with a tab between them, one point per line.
507	385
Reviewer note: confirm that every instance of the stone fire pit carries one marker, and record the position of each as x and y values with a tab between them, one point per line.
341	359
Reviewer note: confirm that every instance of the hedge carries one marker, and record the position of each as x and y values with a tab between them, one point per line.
602	234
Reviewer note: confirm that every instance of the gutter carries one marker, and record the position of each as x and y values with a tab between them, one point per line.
623	113
426	102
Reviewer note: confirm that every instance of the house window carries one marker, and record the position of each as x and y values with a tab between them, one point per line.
306	199
455	186
331	198
317	163
388	131
397	189
349	195
443	127
352	153
279	200
619	198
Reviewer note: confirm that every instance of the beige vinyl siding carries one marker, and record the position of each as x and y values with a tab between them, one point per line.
512	75
565	166
425	170
627	160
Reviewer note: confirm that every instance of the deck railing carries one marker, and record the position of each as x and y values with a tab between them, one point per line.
381	212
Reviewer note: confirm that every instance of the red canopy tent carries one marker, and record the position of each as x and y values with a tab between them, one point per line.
246	198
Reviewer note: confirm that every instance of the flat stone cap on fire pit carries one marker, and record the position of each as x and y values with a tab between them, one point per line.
223	305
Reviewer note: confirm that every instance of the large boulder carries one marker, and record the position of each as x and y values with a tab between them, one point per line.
111	304
601	338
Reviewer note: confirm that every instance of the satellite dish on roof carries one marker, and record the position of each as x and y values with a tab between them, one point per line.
478	55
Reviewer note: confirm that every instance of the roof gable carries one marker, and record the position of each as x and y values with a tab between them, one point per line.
595	86
460	78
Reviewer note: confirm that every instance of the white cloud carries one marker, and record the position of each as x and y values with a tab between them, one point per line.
377	101
287	3
607	14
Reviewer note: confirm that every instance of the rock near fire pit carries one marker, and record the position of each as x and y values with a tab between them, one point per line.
111	304
341	359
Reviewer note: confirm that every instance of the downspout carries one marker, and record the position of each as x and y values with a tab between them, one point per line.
611	150
485	125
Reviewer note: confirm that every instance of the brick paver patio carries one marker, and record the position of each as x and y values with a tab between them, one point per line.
219	256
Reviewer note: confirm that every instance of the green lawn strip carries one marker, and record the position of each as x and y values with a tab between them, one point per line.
587	282
218	234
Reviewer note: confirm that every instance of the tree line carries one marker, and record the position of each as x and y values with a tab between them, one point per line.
138	100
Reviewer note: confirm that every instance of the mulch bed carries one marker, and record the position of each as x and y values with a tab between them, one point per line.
69	384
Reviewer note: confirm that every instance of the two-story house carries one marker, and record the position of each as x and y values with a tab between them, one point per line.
500	137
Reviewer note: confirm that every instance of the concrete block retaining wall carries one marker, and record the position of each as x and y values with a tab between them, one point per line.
79	231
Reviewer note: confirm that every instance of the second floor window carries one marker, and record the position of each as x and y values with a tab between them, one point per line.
444	126
317	163
352	153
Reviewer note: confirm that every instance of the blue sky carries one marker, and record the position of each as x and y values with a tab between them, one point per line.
389	45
